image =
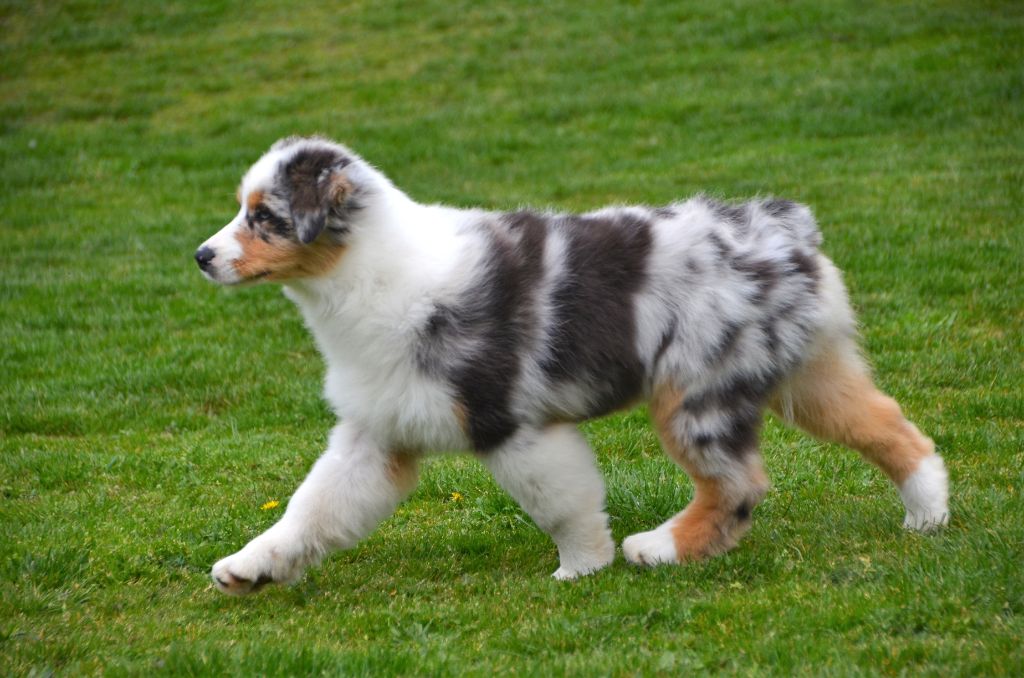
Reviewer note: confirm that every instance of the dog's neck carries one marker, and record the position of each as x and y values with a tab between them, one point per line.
395	247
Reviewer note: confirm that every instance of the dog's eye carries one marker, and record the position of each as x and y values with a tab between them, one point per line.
261	214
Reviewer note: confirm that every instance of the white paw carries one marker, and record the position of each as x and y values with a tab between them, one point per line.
565	574
925	494
263	561
651	548
582	556
581	564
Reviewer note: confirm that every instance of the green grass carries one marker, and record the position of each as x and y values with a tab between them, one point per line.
145	415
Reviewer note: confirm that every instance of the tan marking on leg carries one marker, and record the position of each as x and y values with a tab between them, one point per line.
281	259
462	417
665	403
697	530
719	514
834	398
403	469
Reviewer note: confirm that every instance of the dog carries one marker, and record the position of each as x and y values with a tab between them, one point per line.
497	332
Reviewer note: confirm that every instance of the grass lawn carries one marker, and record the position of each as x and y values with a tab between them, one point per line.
147	415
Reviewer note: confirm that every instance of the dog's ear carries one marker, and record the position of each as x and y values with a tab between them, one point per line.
316	182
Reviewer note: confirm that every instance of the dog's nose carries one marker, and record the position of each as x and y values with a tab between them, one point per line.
204	255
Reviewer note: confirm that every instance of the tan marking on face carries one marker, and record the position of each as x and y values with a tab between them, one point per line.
253	200
281	259
834	398
403	470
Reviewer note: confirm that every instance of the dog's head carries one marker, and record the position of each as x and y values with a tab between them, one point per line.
295	208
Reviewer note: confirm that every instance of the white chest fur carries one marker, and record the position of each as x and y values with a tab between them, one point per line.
367	321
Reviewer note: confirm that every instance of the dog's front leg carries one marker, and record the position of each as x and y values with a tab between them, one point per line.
351	488
553	476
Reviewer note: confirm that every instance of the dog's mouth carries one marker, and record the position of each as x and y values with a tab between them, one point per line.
236	280
250	280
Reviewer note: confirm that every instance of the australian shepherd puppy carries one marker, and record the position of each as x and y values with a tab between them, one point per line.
496	332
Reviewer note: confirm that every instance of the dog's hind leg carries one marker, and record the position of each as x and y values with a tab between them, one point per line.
833	398
351	488
553	476
713	437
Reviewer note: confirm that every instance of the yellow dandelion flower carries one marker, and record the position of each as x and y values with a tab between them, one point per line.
456	496
273	503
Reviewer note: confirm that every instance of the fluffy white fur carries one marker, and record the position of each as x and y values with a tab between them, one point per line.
553	476
655	547
925	494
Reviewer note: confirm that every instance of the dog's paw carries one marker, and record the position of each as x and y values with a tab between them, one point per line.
569	573
233	585
585	550
584	564
925	522
925	494
565	574
260	563
651	548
